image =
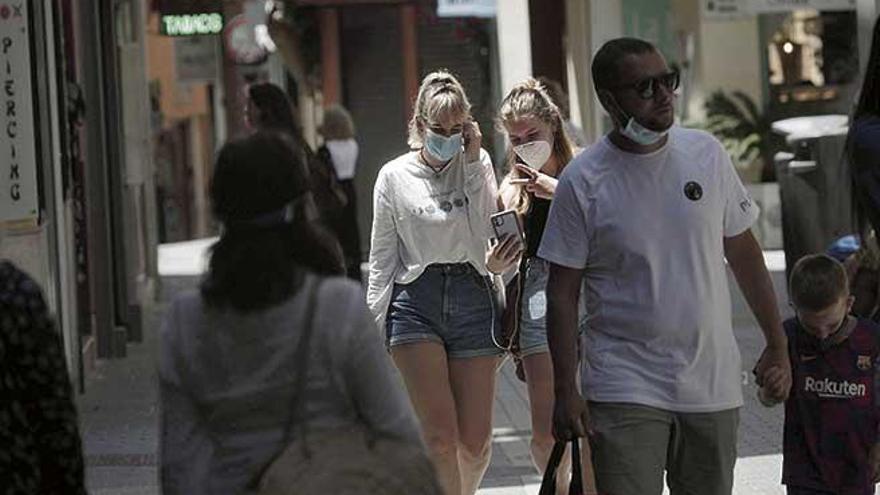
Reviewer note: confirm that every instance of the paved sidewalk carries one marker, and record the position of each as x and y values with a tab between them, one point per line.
119	413
119	419
759	465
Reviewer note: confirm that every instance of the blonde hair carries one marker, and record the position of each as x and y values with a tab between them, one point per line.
439	95
529	99
337	123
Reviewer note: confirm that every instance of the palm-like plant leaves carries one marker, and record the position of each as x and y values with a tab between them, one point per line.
739	124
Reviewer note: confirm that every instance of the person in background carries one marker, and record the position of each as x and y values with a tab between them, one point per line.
269	109
539	151
341	150
863	154
863	272
863	144
227	355
833	411
560	98
40	446
429	285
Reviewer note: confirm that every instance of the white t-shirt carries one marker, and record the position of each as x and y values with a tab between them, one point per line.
421	217
649	232
344	154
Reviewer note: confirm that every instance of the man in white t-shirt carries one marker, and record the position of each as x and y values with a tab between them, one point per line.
645	218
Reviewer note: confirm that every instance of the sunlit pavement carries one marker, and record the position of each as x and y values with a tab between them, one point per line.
119	409
758	469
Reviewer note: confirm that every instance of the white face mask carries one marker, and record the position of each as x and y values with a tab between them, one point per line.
638	133
642	135
534	154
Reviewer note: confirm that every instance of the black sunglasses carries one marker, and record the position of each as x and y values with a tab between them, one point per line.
647	88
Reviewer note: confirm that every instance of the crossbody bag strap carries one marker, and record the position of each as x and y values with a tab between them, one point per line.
297	402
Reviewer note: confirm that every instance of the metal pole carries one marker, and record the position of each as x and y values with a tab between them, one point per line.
233	85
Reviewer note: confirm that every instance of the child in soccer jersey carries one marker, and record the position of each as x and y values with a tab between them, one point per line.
832	412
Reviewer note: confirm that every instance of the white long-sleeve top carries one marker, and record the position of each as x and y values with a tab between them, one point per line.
226	380
422	217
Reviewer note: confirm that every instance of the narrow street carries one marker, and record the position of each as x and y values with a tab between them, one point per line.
135	130
119	413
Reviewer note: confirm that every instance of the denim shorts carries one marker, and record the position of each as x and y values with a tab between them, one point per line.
451	304
533	317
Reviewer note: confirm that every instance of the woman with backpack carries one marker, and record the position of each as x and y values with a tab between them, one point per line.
276	355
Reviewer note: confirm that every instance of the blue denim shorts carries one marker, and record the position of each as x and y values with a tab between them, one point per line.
533	317
451	304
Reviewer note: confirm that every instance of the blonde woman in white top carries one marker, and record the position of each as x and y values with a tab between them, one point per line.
430	288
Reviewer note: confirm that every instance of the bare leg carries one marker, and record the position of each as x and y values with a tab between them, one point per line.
473	385
424	368
589	477
539	378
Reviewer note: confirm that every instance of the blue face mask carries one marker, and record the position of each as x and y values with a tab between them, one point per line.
441	147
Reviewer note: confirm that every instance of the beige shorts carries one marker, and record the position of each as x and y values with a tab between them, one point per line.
633	446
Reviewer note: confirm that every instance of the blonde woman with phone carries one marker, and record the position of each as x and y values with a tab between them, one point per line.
429	287
539	151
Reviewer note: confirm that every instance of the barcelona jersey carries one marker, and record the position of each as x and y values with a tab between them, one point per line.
831	416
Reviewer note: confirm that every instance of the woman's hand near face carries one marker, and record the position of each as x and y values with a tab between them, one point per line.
473	140
537	183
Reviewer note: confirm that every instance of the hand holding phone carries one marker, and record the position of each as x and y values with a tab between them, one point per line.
506	223
508	245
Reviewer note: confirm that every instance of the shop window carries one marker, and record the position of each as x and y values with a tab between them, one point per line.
811	54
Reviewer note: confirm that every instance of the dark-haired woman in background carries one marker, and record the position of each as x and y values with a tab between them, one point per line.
268	109
227	366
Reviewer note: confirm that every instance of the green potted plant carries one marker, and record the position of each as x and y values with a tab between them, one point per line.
744	130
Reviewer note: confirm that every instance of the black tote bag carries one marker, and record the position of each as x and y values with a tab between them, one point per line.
576	486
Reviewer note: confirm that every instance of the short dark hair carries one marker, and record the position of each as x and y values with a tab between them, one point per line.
606	62
257	264
817	282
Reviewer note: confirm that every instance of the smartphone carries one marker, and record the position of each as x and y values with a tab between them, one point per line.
506	222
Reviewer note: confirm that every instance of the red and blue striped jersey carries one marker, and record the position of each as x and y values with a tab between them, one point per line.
831	416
